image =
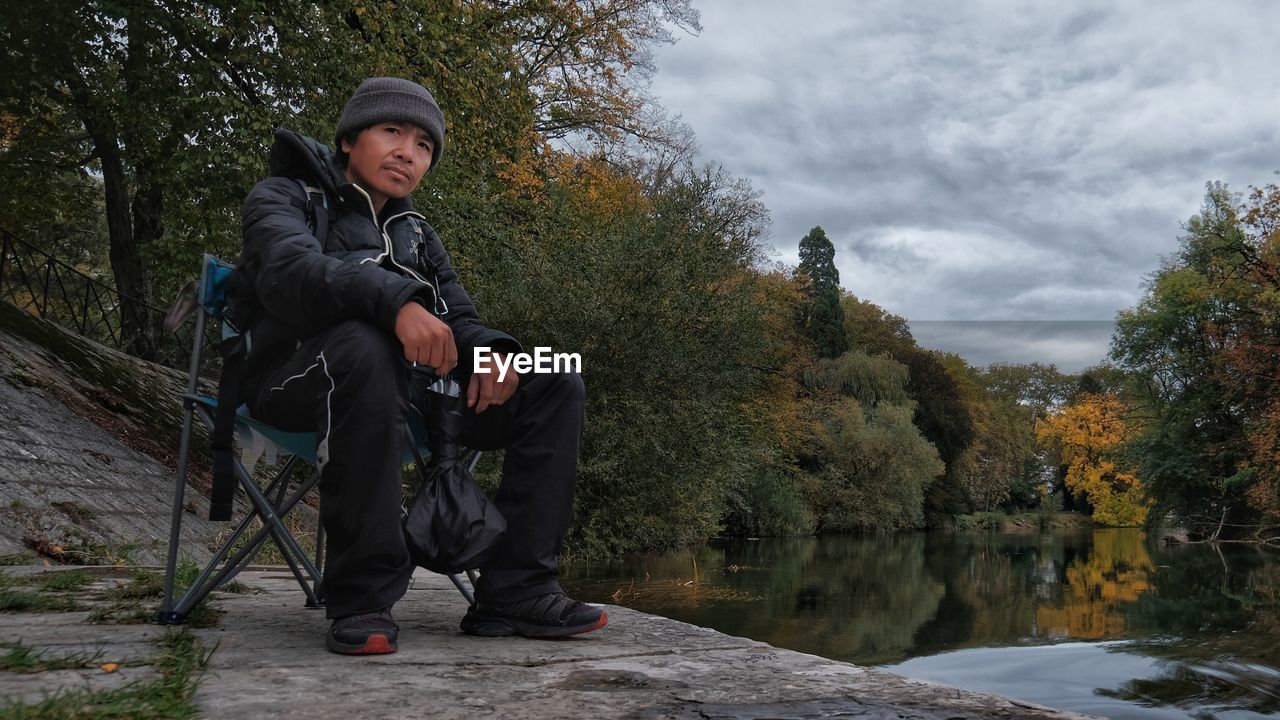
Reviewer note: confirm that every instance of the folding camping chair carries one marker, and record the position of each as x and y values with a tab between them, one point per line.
270	505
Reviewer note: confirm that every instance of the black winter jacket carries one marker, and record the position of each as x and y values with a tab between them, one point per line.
287	287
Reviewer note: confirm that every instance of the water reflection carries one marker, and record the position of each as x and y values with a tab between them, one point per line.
1206	620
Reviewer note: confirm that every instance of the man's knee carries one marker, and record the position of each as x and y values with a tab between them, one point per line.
356	345
566	387
365	362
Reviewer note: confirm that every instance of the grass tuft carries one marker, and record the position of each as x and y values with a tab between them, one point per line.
144	585
12	600
180	664
236	587
67	581
133	602
19	658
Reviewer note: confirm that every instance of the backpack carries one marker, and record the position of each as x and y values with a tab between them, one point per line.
233	348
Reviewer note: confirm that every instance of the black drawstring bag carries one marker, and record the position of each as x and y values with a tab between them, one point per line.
451	524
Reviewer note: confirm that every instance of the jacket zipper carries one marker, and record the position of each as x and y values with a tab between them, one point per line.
372	213
386	239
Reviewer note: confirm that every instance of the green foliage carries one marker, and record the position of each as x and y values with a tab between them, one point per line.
1196	441
173	104
946	404
1006	459
946	420
873	464
654	287
1038	387
871	380
872	329
771	504
880	467
1010	471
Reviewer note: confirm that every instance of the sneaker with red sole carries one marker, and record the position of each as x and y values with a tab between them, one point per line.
545	616
372	633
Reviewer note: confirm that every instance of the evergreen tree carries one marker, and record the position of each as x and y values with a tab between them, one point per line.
824	319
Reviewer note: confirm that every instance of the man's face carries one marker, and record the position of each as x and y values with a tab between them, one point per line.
389	159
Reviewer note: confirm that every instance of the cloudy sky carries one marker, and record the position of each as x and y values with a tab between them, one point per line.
985	161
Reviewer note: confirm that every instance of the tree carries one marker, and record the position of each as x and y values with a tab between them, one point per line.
1194	453
1250	358
156	98
1012	467
657	289
172	102
1088	435
586	63
872	464
944	401
1007	466
946	420
1037	387
823	320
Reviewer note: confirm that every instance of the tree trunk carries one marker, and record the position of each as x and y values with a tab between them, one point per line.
132	280
148	227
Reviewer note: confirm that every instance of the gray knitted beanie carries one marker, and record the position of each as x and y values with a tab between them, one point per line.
388	99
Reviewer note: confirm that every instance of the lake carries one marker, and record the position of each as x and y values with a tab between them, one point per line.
1107	622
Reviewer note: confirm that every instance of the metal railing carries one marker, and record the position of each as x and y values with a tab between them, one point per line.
46	287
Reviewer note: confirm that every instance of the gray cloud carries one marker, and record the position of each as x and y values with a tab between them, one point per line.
1071	345
986	160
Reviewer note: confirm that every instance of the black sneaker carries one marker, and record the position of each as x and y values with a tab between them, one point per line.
551	615
364	634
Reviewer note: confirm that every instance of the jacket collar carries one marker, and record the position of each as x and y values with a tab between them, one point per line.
297	156
355	198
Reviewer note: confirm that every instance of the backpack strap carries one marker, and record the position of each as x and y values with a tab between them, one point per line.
318	218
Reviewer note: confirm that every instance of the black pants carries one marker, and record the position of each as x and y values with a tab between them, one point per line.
352	387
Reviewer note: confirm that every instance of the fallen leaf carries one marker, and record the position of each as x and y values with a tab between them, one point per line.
109	667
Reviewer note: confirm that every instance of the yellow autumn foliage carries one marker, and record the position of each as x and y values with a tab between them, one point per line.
1087	435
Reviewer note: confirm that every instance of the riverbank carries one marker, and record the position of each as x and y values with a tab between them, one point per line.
263	656
1022	521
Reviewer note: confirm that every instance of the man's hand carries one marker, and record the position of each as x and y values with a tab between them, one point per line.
485	389
426	339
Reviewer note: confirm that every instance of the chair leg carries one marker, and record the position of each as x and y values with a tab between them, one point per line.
284	540
280	485
203	585
166	615
272	527
318	586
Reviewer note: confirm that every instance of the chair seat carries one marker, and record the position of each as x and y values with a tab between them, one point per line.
303	444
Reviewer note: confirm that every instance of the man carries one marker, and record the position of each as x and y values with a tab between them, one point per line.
342	336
